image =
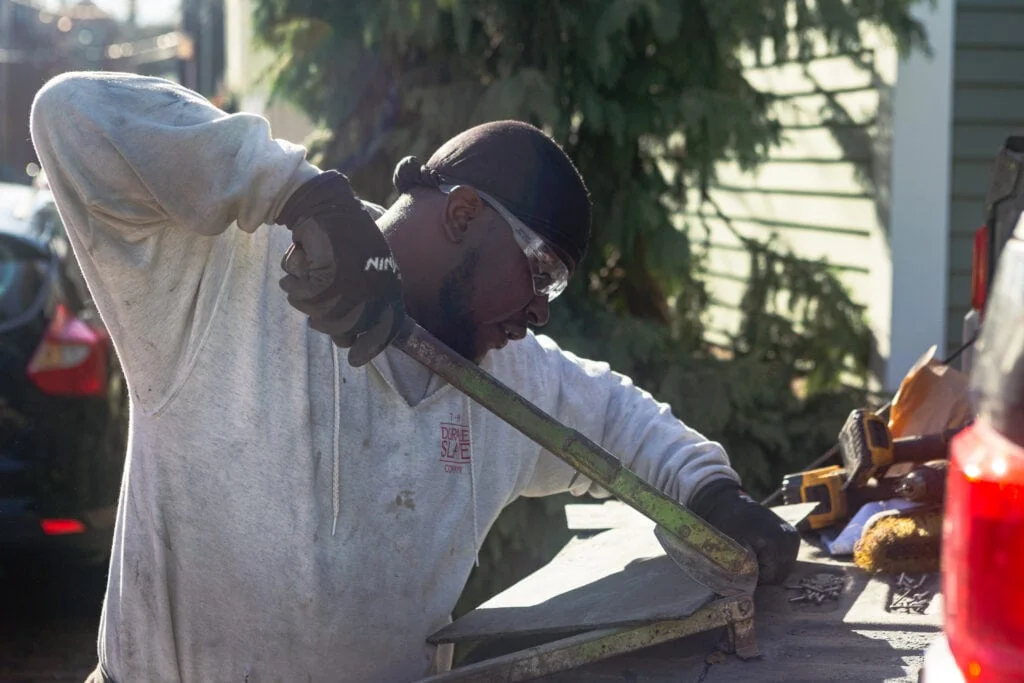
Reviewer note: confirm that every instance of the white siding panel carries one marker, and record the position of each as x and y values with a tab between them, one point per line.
836	214
841	178
818	143
813	195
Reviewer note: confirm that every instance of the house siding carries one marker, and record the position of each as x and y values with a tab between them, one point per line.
988	106
244	74
823	193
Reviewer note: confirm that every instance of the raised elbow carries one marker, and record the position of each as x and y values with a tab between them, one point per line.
53	100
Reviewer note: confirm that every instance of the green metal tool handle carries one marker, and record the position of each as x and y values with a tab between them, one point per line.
697	537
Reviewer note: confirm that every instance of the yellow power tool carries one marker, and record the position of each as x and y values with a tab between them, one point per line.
823	486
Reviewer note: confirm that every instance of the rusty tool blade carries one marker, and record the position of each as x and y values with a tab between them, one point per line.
710	557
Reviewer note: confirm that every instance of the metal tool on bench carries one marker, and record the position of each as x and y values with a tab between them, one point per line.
868	448
882	413
708	556
868	451
818	463
823	486
924	484
835	504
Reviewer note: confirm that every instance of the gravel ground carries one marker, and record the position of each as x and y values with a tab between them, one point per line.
48	620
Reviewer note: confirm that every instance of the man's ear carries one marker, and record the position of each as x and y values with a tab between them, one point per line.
463	205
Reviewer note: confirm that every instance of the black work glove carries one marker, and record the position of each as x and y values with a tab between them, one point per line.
725	506
340	270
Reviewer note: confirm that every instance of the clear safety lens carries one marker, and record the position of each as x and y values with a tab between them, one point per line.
550	274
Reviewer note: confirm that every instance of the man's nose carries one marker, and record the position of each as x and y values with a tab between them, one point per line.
538	311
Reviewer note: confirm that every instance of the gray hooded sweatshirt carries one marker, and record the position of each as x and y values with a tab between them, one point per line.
284	516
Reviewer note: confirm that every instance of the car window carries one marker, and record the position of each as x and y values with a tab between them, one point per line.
23	278
48	228
45	221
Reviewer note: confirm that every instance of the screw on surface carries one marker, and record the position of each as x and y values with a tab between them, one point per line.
908	596
818	588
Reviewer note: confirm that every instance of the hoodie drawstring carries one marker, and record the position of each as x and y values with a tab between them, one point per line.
472	482
336	489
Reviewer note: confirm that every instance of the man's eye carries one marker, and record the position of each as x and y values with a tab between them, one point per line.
546	258
542	279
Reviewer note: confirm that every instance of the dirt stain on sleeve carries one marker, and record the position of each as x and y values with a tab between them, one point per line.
404	499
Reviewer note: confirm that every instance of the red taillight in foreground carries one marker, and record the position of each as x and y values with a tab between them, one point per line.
61	527
980	268
983	555
983	527
71	360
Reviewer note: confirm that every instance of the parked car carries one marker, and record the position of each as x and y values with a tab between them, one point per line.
984	513
1004	203
63	400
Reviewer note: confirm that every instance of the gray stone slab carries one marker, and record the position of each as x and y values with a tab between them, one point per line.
614	514
617	578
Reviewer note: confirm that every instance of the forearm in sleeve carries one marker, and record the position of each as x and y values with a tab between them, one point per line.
147	176
141	151
628	422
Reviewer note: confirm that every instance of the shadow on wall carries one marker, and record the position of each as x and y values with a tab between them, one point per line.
865	144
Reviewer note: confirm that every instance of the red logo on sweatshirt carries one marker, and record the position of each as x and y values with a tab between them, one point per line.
455	448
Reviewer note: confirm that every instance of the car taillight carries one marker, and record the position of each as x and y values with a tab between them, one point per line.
71	359
983	555
61	527
983	528
980	268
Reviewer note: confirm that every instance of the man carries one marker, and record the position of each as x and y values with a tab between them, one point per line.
286	515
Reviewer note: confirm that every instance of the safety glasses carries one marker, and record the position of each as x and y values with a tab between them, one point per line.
550	274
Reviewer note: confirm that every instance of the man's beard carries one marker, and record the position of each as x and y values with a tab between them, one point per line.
456	328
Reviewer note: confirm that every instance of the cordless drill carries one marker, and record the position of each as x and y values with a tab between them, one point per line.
868	449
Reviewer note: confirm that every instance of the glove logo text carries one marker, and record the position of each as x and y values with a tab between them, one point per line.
382	264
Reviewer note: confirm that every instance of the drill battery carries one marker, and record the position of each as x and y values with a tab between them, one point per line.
823	486
866	446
